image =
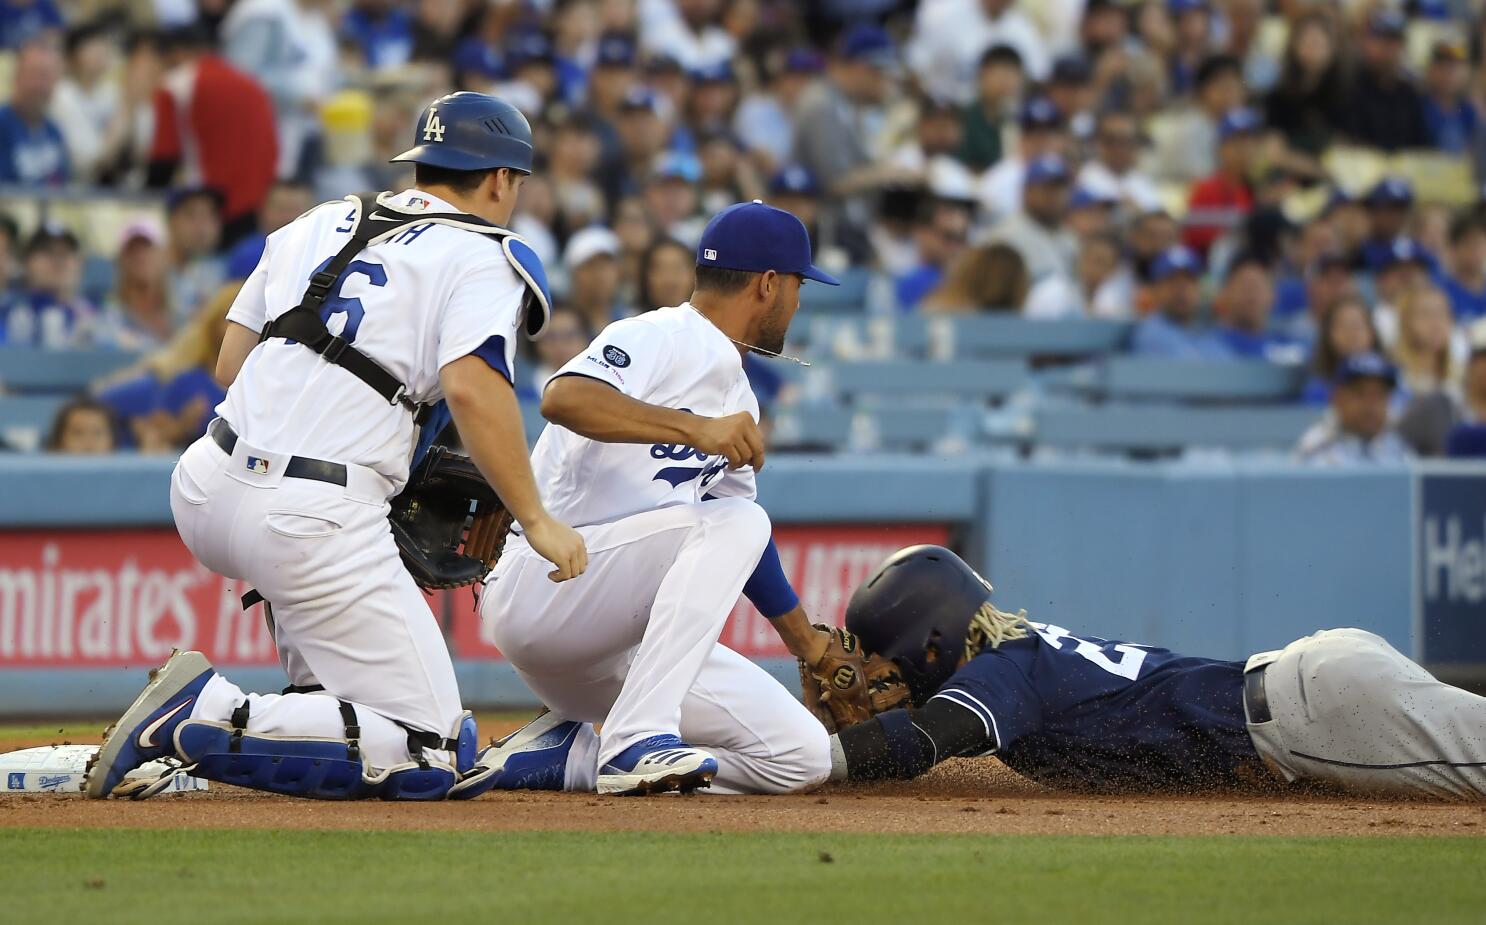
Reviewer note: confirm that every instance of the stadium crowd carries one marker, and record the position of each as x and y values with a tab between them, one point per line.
1293	181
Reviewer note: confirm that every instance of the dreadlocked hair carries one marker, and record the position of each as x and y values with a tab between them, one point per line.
991	627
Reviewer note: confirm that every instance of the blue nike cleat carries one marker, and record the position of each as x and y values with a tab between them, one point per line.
534	757
658	764
146	731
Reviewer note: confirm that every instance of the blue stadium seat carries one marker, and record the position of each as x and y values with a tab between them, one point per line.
1146	378
532	420
849	298
960	336
25	419
1165	428
23	369
834	427
903	378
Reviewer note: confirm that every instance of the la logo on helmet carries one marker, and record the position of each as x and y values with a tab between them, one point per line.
433	130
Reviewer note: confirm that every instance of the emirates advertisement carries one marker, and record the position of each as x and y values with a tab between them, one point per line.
114	598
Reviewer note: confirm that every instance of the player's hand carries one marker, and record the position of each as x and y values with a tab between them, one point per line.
735	436
559	544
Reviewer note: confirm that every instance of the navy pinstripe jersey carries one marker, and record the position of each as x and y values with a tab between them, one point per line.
1078	711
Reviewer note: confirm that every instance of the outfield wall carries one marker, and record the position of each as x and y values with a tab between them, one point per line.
1215	558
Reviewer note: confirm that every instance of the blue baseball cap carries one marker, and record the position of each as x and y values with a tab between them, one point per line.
718	72
754	237
794	180
866	42
1401	250
1240	121
640	99
1178	7
1388	24
1173	260
615	49
527	46
1039	112
1391	191
679	165
1366	366
1048	168
1084	197
804	61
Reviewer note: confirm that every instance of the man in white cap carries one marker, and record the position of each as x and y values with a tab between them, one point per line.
592	261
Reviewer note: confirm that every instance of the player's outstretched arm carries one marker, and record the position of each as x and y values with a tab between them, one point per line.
902	744
598	411
485	410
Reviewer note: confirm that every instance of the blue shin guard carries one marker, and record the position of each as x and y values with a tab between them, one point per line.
320	769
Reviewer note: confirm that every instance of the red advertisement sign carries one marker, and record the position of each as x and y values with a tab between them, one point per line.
103	598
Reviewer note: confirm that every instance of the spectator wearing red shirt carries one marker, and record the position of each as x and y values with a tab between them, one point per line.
1223	200
214	126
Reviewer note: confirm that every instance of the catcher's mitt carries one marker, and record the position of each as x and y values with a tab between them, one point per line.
847	686
448	522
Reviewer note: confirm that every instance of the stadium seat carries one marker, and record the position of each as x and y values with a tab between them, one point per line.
1164	428
25	419
834	427
532	420
1145	378
905	378
849	298
959	336
23	369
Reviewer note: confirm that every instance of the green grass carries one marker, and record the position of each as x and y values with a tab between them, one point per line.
160	877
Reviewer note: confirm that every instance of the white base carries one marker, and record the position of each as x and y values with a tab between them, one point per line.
59	769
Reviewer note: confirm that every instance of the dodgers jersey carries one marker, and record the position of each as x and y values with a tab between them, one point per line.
672	357
1082	712
414	303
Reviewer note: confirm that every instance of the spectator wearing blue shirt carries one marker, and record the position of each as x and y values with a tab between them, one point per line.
24	20
48	311
32	151
1173	329
1448	111
939	236
1464	274
286	201
1390	205
382	29
1244	305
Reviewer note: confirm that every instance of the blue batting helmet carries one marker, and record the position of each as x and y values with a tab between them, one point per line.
471	131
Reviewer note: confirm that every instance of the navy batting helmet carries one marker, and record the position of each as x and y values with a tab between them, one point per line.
471	131
916	610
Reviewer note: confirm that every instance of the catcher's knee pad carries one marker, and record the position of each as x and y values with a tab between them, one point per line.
321	769
425	778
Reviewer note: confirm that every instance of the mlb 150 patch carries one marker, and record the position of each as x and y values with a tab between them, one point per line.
616	356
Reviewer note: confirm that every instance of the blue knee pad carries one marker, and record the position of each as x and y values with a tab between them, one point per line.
433	780
320	769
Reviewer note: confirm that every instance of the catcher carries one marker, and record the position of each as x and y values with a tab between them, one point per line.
360	316
1339	707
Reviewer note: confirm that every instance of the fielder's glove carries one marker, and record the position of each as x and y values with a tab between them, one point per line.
846	686
448	522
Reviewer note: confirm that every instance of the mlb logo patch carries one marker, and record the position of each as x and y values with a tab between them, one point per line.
709	254
15	781
258	465
418	202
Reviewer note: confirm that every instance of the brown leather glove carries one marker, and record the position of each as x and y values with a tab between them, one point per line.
846	686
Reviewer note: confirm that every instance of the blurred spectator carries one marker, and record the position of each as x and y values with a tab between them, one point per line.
1398	271
1464	275
1174	329
642	136
765	120
1070	88
1355	431
213	125
1390	205
193	227
985	277
137	314
1449	112
1475	378
1244	20
1309	103
22	21
592	260
1113	172
48	311
87	101
998	92
609	83
949	37
289	48
1037	231
32	151
839	120
727	176
1423	347
287	200
1220	202
667	274
83	426
166	401
940	236
571	167
1192	22
1151	235
1345	330
712	98
671	199
1043	132
834	244
1243	308
687	31
567	334
1090	212
9	245
382	29
1185	148
1384	108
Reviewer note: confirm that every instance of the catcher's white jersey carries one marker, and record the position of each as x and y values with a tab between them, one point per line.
672	357
413	303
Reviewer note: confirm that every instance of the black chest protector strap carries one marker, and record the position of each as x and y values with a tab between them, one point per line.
304	324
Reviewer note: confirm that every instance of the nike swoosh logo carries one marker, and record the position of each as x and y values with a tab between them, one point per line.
147	734
384	218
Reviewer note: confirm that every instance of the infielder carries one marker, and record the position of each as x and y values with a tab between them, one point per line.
424	292
1339	706
651	452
